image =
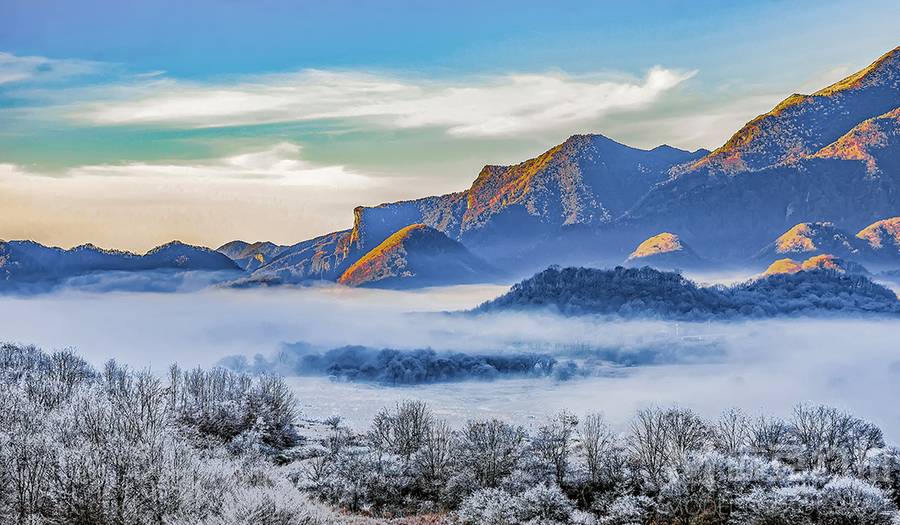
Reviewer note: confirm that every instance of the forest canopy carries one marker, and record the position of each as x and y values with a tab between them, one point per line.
649	293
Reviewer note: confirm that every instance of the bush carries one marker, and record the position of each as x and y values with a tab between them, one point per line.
489	507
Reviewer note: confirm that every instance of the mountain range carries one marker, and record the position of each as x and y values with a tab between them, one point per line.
832	156
781	182
26	263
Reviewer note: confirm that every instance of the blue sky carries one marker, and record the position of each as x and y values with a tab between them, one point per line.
210	120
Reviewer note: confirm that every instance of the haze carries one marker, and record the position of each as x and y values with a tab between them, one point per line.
766	366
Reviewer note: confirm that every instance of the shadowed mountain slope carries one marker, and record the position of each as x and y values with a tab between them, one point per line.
251	256
28	261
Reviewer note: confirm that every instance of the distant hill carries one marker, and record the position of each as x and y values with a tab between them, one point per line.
251	256
875	245
417	255
31	262
883	236
816	262
665	251
811	238
648	293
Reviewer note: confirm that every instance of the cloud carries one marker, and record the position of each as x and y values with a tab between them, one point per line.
767	366
280	162
493	106
269	193
15	68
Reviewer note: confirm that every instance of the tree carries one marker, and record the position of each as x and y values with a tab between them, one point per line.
403	430
490	449
553	443
597	440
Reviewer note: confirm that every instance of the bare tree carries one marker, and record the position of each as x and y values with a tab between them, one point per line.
831	439
402	430
435	457
731	433
597	439
648	444
664	438
769	437
553	442
490	449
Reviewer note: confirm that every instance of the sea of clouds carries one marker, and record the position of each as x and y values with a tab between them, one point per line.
761	366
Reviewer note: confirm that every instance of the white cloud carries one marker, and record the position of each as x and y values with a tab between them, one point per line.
269	193
496	106
15	68
280	163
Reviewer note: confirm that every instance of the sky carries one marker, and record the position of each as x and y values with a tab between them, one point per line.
129	124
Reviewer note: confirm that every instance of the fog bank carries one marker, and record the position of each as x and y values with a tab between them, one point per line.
760	365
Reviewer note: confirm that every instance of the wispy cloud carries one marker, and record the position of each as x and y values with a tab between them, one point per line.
494	106
270	193
279	163
15	68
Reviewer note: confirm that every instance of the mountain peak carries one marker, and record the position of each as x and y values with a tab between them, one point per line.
812	237
415	254
786	265
881	70
824	261
883	234
800	125
662	243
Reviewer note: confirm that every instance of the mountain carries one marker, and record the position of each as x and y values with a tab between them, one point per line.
28	261
648	293
322	258
665	251
416	255
829	156
588	180
178	255
816	262
810	238
875	245
873	142
786	265
251	256
883	236
801	125
506	213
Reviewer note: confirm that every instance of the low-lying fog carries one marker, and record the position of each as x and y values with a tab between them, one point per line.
759	366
